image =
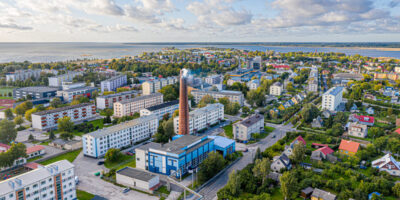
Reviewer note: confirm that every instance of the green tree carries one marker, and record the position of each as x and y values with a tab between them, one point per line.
55	102
66	135
258	154
396	190
299	152
262	168
19	120
234	184
112	155
245	110
289	185
170	92
309	112
7	131
15	152
31	138
8	114
52	136
207	99
28	114
65	124
211	166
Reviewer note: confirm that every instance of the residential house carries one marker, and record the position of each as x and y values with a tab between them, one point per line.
388	164
362	119
319	194
348	147
322	153
281	162
306	192
289	149
276	89
35	151
358	130
370	111
317	122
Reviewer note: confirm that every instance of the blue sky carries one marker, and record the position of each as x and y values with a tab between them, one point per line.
199	20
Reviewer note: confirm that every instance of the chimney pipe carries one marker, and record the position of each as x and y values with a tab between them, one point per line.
183	106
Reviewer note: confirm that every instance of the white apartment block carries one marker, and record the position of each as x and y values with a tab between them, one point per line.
48	119
253	84
131	106
57	81
202	118
107	101
332	98
276	89
213	79
113	83
69	94
22	75
161	109
244	129
96	144
150	87
233	96
55	181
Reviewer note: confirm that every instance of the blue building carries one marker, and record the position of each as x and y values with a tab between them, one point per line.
181	154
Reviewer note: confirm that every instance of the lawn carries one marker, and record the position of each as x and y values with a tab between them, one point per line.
163	190
228	131
33	159
82	195
124	161
4	90
70	156
97	122
269	129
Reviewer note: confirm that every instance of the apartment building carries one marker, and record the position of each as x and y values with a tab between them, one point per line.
312	85
161	109
57	81
213	79
233	96
202	118
131	106
244	129
113	83
107	101
35	92
22	75
69	94
150	87
53	181
45	120
253	84
276	89
96	144
357	130
332	98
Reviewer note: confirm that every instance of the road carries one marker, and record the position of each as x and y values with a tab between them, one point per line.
210	191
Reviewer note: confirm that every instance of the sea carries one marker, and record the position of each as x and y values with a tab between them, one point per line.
54	52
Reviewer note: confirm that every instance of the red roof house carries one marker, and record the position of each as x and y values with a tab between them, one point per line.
325	150
348	147
34	151
282	67
299	139
4	147
363	119
397	131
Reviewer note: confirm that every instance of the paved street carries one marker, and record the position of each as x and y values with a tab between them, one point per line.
85	169
210	191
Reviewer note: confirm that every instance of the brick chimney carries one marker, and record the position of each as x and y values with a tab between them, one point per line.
183	106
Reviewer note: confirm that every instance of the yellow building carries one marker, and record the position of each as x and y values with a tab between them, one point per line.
349	148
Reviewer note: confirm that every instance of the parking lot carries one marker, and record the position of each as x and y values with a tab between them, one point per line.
22	136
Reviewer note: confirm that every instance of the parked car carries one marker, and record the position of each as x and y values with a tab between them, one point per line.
76	180
129	153
126	190
100	162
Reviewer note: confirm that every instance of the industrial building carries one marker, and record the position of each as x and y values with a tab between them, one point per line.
35	92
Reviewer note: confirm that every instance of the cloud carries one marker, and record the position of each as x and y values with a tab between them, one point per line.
394	3
15	26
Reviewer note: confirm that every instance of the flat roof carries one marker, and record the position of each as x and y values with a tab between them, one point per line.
118	94
45	112
112	129
115	77
136	174
68	73
250	120
37	89
221	141
228	92
206	109
334	91
141	98
182	144
163	105
80	88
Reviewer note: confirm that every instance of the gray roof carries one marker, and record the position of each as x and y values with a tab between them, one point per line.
348	76
224	92
277	84
250	120
163	105
323	194
177	146
136	174
112	129
117	94
334	91
307	190
206	109
113	78
37	89
45	112
70	73
80	88
141	98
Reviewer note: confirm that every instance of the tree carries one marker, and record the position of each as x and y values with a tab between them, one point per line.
23	107
65	124
262	168
170	92
122	89
55	102
28	114
112	155
7	131
15	152
234	183
31	138
207	99
396	189
66	135
375	132
19	120
288	185
165	131
8	114
165	117
211	166
298	154
309	112
52	136
336	130
245	110
75	102
258	154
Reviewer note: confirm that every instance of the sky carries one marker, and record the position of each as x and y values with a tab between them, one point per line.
199	20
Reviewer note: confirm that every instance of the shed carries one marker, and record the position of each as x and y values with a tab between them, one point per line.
138	179
306	192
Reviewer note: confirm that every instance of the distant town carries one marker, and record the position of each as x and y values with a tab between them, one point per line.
202	123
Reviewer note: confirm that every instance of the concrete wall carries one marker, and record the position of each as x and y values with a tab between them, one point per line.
140	159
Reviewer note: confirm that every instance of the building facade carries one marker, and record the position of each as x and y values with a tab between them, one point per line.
253	84
36	92
233	96
96	144
113	83
213	79
70	94
388	164
138	179
54	181
332	98
131	106
48	119
202	118
276	89
358	130
244	129
57	81
161	109
150	87
107	101
22	75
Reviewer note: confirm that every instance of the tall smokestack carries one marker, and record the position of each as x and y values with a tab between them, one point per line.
183	104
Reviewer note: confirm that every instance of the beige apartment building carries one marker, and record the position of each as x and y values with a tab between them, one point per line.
244	129
150	87
131	106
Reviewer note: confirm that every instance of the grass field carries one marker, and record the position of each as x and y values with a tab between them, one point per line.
70	156
82	195
228	130
6	90
124	161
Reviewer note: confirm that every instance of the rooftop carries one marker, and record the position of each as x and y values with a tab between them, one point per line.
34	149
37	89
118	94
45	112
206	109
349	146
140	98
80	89
250	120
323	194
227	92
180	145
279	84
334	91
348	76
68	73
114	78
136	174
221	141
163	105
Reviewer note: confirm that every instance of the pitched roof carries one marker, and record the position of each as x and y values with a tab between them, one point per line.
364	118
386	159
397	131
299	139
34	149
325	150
349	146
323	194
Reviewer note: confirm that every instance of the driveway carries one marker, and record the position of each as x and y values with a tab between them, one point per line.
86	167
22	136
